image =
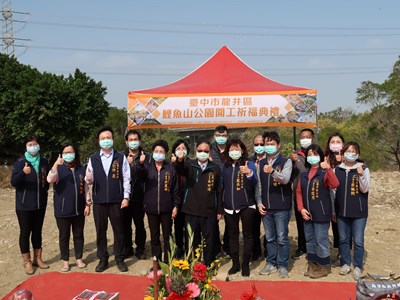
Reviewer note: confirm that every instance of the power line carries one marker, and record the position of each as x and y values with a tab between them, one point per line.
191	32
153	52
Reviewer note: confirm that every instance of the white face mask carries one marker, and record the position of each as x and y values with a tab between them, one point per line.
33	150
235	154
304	143
133	145
202	156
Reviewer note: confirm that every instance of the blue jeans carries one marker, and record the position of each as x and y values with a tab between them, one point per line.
317	241
276	226
351	227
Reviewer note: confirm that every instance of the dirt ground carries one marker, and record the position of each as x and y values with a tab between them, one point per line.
382	242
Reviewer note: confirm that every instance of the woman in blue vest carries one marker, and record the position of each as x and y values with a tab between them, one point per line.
352	207
70	206
161	196
29	179
238	182
316	207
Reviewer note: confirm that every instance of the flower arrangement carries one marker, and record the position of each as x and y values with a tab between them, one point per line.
184	279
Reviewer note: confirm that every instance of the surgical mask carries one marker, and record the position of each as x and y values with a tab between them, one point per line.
313	160
221	140
259	149
202	156
335	147
270	149
133	145
177	152
350	157
235	154
158	156
68	157
106	144
33	150
304	143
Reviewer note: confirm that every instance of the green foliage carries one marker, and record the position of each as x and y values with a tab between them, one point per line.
55	108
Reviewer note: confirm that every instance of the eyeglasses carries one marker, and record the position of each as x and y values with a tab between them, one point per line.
205	151
255	145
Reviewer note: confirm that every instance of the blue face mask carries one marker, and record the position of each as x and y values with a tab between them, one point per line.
270	149
259	149
106	144
313	160
68	157
177	152
158	156
33	150
350	157
133	145
221	140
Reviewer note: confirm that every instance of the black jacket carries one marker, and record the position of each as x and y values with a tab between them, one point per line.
137	182
161	190
31	189
203	191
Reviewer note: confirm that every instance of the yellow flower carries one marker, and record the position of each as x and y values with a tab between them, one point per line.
147	297
181	264
207	286
197	252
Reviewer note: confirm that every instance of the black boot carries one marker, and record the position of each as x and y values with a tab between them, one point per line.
245	266
235	265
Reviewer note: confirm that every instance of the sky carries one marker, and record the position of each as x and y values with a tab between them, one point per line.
330	46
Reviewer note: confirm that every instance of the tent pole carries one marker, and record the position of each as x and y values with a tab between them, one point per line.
294	138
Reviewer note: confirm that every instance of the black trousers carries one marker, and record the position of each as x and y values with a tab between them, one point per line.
335	232
232	223
64	225
203	227
101	213
179	228
30	227
155	221
134	212
301	237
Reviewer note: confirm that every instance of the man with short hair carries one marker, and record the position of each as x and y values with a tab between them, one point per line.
217	155
109	173
202	204
135	210
274	201
299	165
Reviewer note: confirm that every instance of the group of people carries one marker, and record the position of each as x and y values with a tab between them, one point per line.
222	182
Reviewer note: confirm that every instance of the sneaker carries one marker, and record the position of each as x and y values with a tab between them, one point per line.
283	272
298	254
344	270
268	269
357	273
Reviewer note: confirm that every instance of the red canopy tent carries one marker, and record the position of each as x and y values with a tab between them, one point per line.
222	90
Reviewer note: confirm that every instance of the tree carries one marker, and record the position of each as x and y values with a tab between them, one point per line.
384	123
55	108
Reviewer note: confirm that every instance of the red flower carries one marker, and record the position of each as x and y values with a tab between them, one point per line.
199	272
175	296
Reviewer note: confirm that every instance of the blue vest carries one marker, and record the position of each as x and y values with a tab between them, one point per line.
316	197
108	188
238	190
69	192
274	195
350	202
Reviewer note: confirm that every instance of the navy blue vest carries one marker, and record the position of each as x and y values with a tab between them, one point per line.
108	188
316	197
69	192
274	195
238	191
350	202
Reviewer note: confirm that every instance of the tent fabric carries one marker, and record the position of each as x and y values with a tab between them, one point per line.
223	73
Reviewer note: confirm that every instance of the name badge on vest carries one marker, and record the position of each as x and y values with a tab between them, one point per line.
354	185
43	176
167	178
115	169
315	189
210	183
81	183
239	181
274	181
